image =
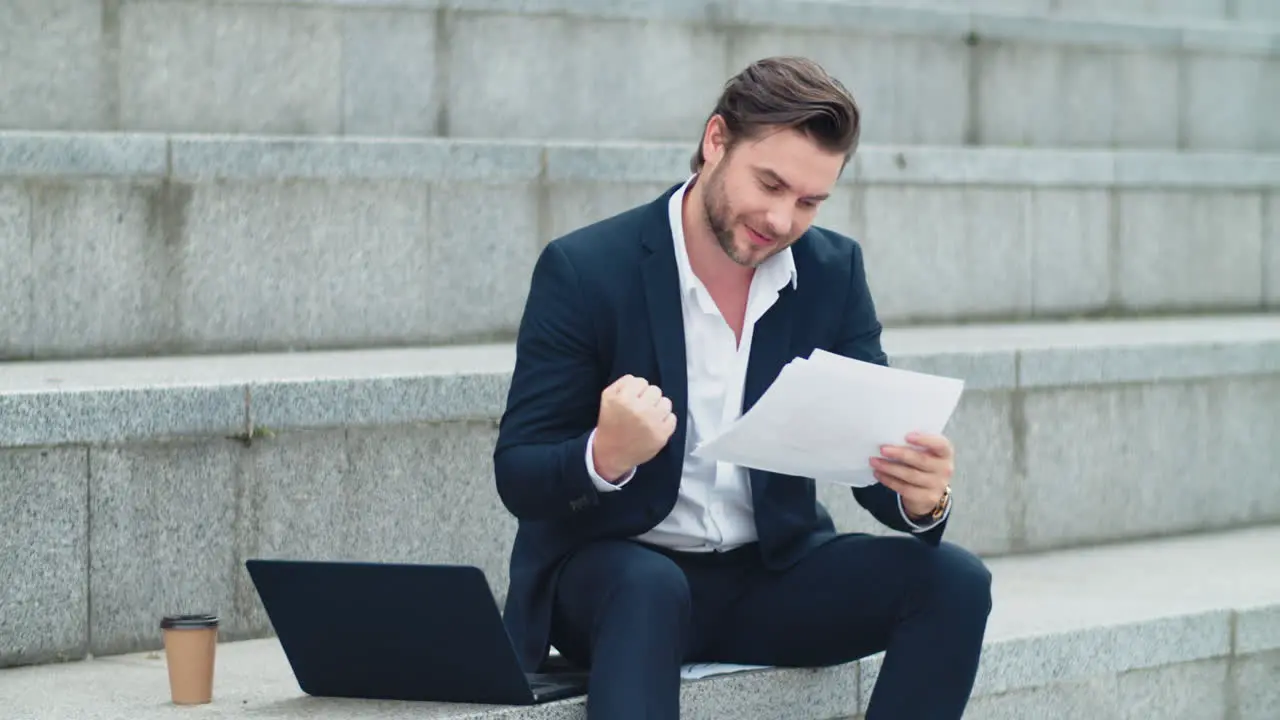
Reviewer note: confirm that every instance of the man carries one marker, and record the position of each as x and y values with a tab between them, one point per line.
650	331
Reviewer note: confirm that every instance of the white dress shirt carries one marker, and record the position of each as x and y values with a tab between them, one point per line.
713	511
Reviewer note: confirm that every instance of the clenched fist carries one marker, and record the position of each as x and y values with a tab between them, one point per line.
635	423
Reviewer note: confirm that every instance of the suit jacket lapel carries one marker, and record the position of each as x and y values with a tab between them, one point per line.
770	351
666	320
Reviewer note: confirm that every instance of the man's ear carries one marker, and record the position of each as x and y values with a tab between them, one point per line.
715	140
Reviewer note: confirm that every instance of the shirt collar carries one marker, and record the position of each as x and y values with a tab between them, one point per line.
775	272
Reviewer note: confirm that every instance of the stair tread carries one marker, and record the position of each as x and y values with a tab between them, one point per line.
1057	616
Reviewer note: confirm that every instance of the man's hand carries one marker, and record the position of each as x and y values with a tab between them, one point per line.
918	474
635	423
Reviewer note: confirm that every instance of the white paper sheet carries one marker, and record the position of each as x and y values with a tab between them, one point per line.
826	416
697	671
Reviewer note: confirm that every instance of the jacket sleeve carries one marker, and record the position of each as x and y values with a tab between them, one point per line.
860	339
553	400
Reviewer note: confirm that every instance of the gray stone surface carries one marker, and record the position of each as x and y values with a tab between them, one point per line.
1257	630
1187	691
983	370
54	76
1070	237
161	538
204	159
229	67
44	555
1094	699
390	388
564	76
1077	655
115	400
370	263
1179	692
484	244
410	494
1018	168
1253	683
1271	250
156	397
284	265
52	412
934	74
1228	99
1158	472
15	271
619	162
1076	629
61	156
379	401
104	269
294	500
1263	10
1130	361
979	266
390	73
195	259
1172	10
1054	95
427	495
1086	587
1196	170
570	206
1181	250
172	523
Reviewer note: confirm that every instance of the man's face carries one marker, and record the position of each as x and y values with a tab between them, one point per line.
761	196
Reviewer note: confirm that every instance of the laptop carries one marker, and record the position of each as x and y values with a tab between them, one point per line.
384	631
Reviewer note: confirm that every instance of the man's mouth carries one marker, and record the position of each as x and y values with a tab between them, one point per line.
758	239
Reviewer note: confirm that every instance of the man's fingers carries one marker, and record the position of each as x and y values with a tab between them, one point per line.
664	405
909	492
912	457
630	386
652	395
902	473
936	445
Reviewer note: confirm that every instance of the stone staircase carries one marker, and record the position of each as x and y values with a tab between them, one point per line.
261	264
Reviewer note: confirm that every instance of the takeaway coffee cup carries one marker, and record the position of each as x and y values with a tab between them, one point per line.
190	642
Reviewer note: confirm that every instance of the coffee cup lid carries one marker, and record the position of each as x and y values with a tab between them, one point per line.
188	622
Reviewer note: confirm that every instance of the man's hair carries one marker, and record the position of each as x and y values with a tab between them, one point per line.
787	93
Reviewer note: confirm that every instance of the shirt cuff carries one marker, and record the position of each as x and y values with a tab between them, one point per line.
914	527
601	484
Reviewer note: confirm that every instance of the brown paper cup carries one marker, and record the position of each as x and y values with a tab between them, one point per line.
190	642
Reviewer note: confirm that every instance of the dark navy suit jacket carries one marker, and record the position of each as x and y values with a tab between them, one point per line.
604	301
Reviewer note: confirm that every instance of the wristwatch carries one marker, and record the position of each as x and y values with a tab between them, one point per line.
943	503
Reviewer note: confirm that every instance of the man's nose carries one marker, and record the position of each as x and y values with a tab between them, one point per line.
779	219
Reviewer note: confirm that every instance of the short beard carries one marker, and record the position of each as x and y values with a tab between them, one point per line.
715	205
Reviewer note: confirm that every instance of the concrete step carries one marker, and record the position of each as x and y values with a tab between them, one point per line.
127	244
137	486
1175	628
1247	13
550	68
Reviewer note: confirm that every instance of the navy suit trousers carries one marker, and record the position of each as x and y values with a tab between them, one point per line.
633	614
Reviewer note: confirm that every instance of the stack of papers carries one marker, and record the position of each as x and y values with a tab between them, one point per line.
826	416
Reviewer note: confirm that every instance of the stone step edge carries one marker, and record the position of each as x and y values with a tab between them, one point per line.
87	401
972	25
1009	664
195	158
